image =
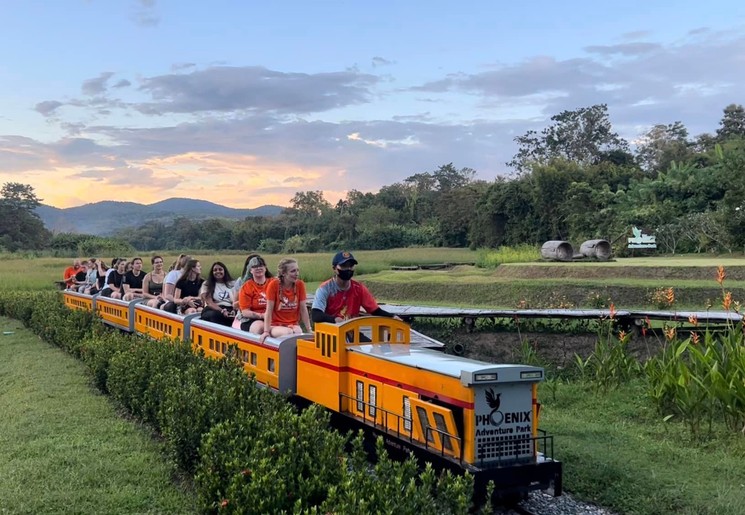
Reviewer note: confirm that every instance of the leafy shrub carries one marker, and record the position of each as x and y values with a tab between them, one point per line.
202	395
267	462
97	352
393	487
137	377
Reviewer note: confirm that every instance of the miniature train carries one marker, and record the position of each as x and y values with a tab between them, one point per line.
459	414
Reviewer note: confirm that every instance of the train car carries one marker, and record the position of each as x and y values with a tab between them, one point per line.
376	373
463	414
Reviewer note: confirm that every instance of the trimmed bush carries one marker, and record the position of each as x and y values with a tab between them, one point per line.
262	462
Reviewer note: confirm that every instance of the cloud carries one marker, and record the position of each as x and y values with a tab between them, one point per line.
145	15
256	89
623	49
48	107
380	61
96	86
123	83
636	80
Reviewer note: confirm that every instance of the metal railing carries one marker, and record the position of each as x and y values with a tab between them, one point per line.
405	434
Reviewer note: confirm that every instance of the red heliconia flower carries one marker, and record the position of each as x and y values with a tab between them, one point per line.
727	301
670	296
695	338
622	335
693	319
612	310
720	274
224	503
669	333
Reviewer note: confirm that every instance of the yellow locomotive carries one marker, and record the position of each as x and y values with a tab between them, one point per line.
460	414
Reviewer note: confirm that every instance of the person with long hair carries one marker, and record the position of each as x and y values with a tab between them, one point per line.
169	283
186	294
285	302
114	279
252	296
217	297
152	284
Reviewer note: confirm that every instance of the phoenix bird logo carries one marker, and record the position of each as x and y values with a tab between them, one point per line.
493	401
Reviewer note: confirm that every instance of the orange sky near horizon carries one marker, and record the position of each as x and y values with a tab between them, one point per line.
237	181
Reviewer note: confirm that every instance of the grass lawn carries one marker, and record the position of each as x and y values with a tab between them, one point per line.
619	453
63	447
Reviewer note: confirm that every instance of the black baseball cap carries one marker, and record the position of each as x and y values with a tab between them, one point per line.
343	257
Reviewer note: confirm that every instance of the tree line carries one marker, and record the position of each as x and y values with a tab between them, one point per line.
574	180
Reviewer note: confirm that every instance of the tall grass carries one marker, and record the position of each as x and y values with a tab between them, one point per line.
488	258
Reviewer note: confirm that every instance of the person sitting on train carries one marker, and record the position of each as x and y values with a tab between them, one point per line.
90	277
69	274
217	295
132	284
285	302
186	294
252	296
100	270
245	276
114	279
340	298
80	275
169	283
152	284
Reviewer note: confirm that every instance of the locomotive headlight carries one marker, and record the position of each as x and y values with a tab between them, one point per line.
531	375
485	377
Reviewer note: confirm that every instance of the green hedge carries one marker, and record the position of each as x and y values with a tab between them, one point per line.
249	450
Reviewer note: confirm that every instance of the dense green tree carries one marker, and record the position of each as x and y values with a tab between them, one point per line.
505	215
662	145
455	211
583	136
20	226
732	124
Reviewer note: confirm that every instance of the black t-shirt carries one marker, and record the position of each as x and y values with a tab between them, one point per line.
80	276
100	278
134	281
189	288
116	279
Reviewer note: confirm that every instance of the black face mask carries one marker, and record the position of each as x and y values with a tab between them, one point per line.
345	275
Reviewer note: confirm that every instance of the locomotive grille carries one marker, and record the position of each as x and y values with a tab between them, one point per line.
503	448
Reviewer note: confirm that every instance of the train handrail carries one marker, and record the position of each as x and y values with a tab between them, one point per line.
409	434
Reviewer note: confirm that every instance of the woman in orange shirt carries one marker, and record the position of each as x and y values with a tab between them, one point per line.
285	302
252	296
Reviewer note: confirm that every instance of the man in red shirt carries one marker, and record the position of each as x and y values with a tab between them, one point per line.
340	298
69	275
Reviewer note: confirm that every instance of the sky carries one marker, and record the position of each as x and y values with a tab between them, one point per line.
245	103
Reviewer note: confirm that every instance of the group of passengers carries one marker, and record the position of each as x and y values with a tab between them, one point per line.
256	302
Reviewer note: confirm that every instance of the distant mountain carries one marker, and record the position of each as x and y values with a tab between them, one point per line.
107	217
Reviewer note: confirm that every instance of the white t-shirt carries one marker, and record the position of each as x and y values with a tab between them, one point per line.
223	295
172	277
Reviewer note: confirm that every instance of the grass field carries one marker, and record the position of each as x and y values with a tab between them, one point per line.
63	447
40	273
618	452
628	282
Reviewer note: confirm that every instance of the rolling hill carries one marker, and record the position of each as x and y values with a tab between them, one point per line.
106	217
